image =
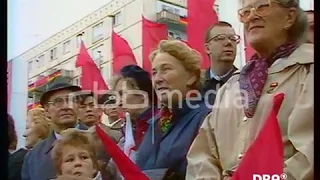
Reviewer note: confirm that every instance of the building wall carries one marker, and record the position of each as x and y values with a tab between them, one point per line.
129	27
19	97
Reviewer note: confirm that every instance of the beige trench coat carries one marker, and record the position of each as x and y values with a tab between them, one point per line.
226	133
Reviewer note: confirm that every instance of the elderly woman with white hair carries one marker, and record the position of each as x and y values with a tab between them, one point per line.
276	29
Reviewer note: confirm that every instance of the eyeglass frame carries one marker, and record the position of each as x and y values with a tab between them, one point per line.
66	100
257	6
228	37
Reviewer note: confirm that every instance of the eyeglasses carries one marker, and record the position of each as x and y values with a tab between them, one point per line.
61	101
223	37
261	9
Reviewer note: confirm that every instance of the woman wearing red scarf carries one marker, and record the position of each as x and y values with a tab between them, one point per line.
276	30
176	80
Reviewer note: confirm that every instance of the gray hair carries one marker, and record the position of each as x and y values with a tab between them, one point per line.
298	31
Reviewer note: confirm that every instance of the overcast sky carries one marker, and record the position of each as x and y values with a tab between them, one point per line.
32	21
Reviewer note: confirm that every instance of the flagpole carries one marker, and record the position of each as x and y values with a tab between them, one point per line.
111	16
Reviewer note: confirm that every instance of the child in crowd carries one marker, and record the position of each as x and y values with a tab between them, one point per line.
75	157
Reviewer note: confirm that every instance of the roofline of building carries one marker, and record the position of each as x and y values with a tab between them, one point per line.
33	47
62	30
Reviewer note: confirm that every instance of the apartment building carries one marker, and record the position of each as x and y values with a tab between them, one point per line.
56	56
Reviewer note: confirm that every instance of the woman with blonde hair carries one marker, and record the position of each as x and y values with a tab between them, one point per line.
75	157
276	29
37	127
176	80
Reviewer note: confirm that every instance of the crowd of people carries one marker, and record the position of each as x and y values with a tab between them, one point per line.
186	123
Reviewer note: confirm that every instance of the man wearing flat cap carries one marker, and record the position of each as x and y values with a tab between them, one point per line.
61	109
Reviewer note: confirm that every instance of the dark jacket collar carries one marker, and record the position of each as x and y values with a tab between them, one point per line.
208	77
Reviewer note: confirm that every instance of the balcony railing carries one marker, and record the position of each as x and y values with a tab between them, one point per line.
172	19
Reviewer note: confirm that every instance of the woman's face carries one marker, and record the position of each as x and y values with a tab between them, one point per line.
170	79
266	22
131	100
30	134
77	162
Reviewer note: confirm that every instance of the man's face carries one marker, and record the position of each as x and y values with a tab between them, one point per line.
222	46
88	111
112	111
310	16
61	109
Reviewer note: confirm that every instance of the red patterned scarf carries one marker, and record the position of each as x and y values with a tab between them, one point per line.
253	76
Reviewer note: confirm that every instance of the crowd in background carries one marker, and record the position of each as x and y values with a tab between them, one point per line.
203	131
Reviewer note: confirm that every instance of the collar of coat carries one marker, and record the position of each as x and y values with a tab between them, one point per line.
304	54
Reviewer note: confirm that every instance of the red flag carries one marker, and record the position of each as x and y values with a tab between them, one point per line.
122	53
127	168
152	34
201	16
265	155
91	78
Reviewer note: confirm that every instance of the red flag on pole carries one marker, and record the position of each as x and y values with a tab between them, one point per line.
91	78
127	168
152	34
201	16
265	155
122	53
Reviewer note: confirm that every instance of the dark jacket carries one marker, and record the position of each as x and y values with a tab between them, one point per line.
169	150
38	164
15	164
214	85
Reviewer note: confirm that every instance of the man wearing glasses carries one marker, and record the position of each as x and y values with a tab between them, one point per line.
61	107
221	47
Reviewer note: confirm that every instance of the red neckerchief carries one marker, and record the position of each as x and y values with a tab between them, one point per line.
254	74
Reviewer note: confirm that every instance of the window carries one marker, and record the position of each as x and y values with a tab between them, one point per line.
40	61
76	81
97	32
79	38
116	19
66	47
174	35
53	54
105	73
97	53
30	64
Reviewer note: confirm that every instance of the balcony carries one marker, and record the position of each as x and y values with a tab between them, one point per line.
172	20
36	89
